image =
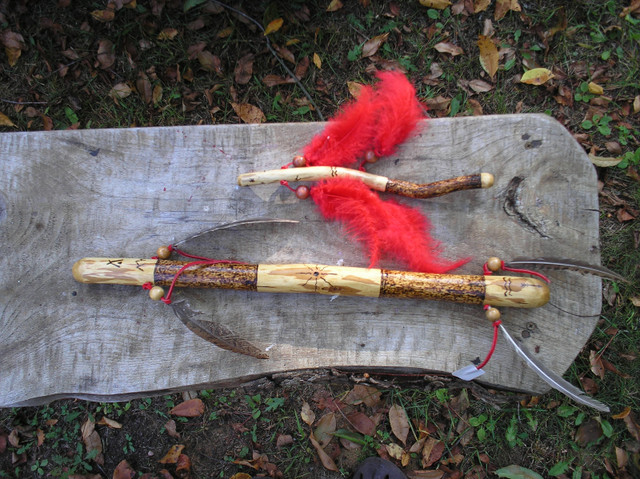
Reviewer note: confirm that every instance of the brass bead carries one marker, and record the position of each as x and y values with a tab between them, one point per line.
156	293
302	192
163	252
299	161
492	314
494	264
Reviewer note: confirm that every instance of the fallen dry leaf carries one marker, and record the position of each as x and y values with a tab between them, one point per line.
636	104
210	62
244	69
488	55
431	474
120	90
632	426
432	451
307	415
283	440
170	426
167	34
372	45
604	161
5	120
104	16
595	89
241	475
480	86
354	90
448	47
317	61
14	438
171	457
334	6
438	103
394	450
503	6
362	393
326	460
325	428
274	26
143	85
362	423
437	4
156	96
13	45
190	408
286	54
635	300
183	466
399	422
596	364
536	76
275	80
124	471
106	56
588	432
480	5
623	215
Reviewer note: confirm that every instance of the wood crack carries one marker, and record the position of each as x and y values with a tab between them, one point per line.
513	207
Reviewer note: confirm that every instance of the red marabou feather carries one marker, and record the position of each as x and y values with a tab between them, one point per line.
387	228
347	136
398	112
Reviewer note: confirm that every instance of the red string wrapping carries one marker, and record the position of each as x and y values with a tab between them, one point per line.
496	324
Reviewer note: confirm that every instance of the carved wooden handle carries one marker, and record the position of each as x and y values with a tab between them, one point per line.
495	290
375	182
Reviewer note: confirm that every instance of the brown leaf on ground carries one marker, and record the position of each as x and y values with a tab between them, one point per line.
104	16
362	423
437	4
124	471
170	426
120	90
503	6
596	364
283	440
326	460
285	53
589	385
168	34
448	47
302	67
622	414
93	442
480	86
399	422
394	450
210	62
172	455
190	408
325	428
106	56
195	49
362	393
432	452
334	6
632	426
307	414
424	474
244	69
274	26
536	76
610	367
588	432
624	215
105	421
372	45
480	5
488	55
197	24
183	466
5	120
143	85
275	80
13	45
438	103
14	438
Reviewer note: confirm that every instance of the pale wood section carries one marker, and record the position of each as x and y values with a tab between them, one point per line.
319	279
65	195
517	292
128	271
486	180
312	173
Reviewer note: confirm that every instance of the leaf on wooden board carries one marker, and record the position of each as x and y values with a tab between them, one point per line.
244	69
604	161
273	26
190	408
334	6
171	457
124	471
326	460
325	428
488	55
5	120
504	6
399	422
437	4
481	5
537	76
372	45
517	472
307	415
106	56
168	34
362	423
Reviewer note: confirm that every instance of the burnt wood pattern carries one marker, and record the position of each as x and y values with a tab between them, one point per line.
457	288
435	189
218	275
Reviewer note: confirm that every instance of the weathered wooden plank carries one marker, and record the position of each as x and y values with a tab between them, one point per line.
66	195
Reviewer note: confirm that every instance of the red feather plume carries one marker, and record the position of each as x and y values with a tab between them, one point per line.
387	228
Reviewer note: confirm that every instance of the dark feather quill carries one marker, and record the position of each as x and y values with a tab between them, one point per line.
565	264
551	378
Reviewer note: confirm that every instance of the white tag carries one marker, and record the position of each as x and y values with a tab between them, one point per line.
468	373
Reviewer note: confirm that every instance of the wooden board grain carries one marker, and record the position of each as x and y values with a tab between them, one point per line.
69	194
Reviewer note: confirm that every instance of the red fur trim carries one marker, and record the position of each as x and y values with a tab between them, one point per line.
388	229
398	112
347	136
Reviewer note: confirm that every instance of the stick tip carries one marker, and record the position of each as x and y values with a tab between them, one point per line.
486	180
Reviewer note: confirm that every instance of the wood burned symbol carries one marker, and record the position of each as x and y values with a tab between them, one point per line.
318	278
507	286
138	265
115	262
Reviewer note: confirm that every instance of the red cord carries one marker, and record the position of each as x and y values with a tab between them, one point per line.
493	344
487	271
